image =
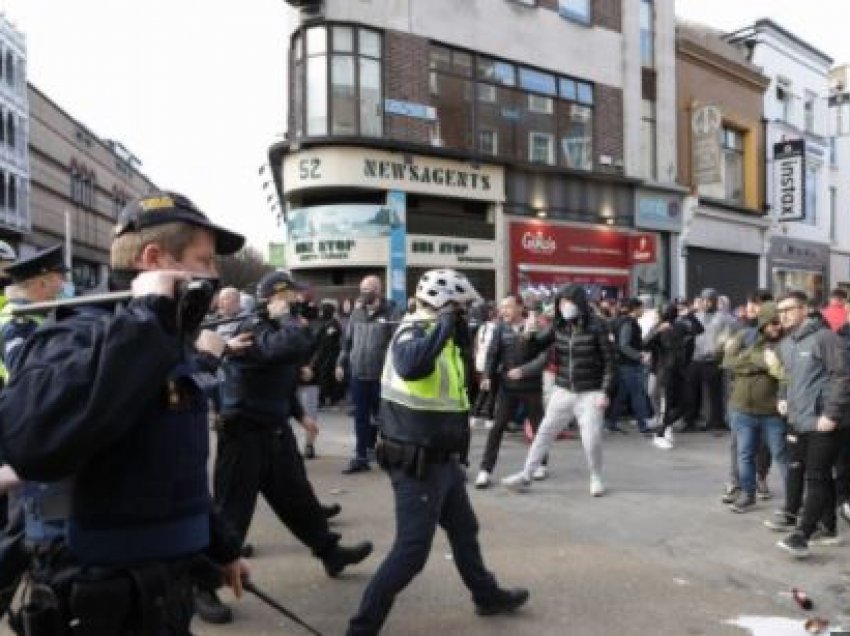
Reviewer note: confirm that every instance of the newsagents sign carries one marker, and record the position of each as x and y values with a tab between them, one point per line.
789	169
331	166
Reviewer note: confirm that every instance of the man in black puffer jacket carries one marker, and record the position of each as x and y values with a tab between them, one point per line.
583	385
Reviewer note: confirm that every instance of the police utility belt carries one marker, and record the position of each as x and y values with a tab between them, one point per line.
71	601
412	459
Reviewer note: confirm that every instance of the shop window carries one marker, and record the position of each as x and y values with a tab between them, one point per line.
576	10
488	142
648	144
540	148
647	33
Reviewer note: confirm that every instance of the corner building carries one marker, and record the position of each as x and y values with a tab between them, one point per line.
512	140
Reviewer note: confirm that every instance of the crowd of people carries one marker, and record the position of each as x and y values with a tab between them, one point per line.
110	512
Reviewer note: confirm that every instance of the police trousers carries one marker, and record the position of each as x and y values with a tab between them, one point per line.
439	497
254	459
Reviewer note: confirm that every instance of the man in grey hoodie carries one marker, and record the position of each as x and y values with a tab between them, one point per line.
816	399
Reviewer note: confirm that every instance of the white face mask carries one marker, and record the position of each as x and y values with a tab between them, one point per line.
568	310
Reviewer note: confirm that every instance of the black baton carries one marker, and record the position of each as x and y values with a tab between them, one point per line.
268	600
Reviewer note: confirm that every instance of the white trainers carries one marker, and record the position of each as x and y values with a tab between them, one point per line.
488	424
597	488
540	473
475	422
517	482
483	480
670	435
662	442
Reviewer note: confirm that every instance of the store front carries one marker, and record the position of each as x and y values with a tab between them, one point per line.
352	211
608	262
799	265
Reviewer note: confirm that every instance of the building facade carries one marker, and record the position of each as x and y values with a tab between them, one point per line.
725	236
79	183
416	139
15	218
797	115
839	177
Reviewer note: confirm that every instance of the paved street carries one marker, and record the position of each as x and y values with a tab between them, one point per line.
659	555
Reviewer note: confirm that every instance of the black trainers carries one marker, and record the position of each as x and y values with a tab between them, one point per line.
502	602
356	466
744	503
210	608
332	510
730	495
795	544
781	522
340	557
309	451
247	550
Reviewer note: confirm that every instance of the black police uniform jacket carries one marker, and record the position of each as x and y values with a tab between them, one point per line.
109	398
260	383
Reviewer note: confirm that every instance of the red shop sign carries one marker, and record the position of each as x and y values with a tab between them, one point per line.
537	242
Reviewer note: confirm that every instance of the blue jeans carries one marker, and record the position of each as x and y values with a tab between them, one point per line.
631	388
420	505
366	395
748	429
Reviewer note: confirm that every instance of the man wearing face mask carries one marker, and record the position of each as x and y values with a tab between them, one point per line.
257	451
327	353
584	381
364	346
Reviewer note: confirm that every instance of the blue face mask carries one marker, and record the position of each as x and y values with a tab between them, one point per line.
68	290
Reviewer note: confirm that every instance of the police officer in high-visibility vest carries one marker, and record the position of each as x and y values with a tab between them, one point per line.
424	421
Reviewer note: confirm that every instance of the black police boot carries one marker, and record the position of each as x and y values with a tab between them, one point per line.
337	559
210	608
331	511
502	602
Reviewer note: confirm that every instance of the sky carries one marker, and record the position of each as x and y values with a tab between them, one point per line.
196	88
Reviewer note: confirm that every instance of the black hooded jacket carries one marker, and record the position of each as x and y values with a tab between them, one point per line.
583	349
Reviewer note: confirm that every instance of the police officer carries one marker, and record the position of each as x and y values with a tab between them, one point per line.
36	278
7	256
257	451
425	435
111	397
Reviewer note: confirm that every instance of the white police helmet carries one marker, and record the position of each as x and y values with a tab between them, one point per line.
440	286
6	252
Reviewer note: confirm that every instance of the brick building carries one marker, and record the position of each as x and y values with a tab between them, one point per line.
522	141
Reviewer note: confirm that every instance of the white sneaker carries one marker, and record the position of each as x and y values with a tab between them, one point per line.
475	422
670	435
517	482
483	480
540	473
488	424
662	442
597	488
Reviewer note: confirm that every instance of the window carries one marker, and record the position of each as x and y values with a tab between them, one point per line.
833	212
812	179
833	152
10	129
10	69
540	104
537	81
809	108
578	10
733	165
577	137
2	189
486	93
647	34
491	70
648	140
540	148
13	193
488	142
338	88
785	98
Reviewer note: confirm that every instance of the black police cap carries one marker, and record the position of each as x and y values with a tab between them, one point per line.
170	207
48	260
277	281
